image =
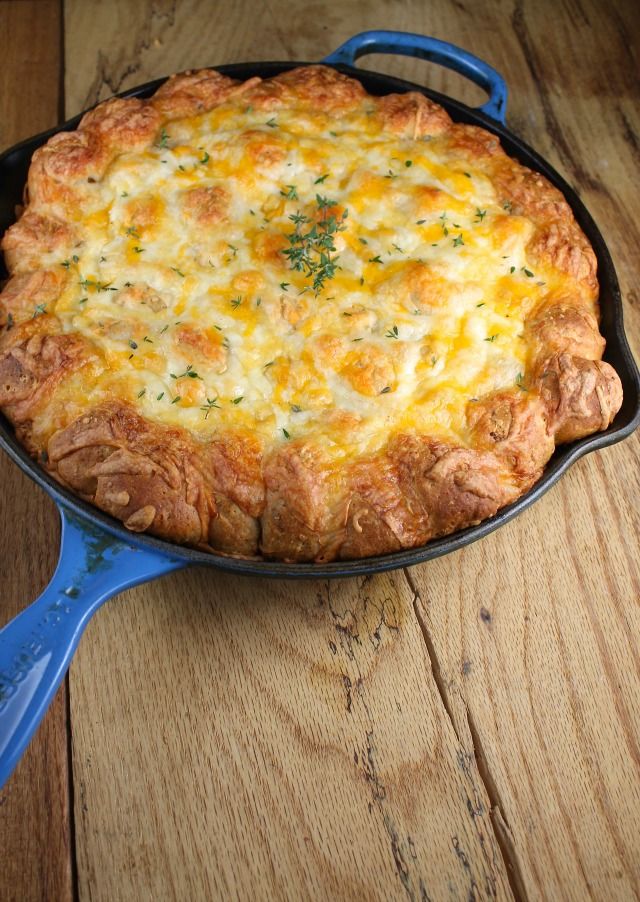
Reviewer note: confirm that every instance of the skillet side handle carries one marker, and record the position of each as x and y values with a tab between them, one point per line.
36	647
427	48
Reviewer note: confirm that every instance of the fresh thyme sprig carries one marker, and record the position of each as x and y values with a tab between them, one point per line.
189	373
311	252
208	407
99	286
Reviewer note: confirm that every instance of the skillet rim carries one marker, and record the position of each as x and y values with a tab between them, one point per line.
617	352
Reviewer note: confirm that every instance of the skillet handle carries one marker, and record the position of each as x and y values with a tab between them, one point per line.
407	44
37	646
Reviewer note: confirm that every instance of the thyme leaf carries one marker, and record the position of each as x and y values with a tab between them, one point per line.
209	405
312	251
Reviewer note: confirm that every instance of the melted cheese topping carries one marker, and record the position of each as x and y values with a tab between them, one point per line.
183	284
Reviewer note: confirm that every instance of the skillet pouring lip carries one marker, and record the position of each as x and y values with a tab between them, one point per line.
14	164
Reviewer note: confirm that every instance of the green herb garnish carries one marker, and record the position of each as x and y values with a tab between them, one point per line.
310	251
189	373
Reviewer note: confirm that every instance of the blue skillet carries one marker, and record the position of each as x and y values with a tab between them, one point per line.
99	558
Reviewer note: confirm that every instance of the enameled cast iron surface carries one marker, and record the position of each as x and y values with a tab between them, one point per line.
14	165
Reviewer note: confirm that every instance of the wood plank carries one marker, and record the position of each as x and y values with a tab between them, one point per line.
216	720
543	676
34	804
31	74
271	742
161	37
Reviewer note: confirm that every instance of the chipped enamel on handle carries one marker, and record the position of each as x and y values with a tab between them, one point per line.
427	48
37	646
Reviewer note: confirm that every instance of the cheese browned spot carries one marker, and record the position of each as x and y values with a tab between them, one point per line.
286	317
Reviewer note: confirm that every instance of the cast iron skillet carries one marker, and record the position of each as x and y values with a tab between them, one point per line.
99	557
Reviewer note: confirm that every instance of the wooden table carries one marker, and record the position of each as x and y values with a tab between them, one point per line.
468	729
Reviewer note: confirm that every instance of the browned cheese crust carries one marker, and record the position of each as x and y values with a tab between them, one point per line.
235	493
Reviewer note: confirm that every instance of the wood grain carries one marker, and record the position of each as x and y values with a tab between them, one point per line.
544	682
34	805
468	730
305	751
543	675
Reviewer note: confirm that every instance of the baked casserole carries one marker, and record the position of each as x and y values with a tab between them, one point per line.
289	319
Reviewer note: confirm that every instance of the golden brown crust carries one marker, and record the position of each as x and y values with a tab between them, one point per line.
417	490
473	142
27	293
62	164
581	396
564	325
293	502
190	93
562	244
232	531
314	87
31	370
122	125
146	475
513	425
319	87
558	240
455	486
304	510
412	115
33	236
234	462
207	205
